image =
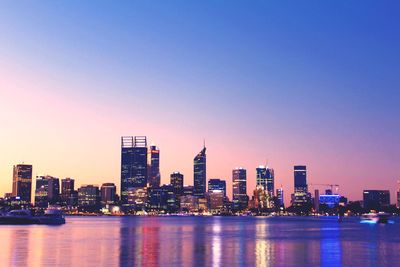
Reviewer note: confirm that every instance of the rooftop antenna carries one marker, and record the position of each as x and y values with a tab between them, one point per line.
204	143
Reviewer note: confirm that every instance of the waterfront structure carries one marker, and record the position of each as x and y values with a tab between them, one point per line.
176	180
108	193
215	200
265	178
189	203
53	190
376	199
67	189
89	198
239	189
41	192
300	196
163	199
200	173
280	197
22	182
133	165
154	176
217	184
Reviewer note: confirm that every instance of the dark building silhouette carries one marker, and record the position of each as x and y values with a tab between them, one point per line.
177	183
67	188
239	189
41	192
188	190
22	182
53	190
200	174
300	196
154	176
376	199
89	198
133	164
108	193
280	198
217	184
265	179
162	199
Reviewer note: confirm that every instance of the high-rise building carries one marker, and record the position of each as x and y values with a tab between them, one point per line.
239	189
188	190
216	200
89	198
217	184
200	175
41	192
163	199
154	176
300	196
177	183
280	197
265	178
53	190
67	187
22	182
133	164
316	200
376	199
108	193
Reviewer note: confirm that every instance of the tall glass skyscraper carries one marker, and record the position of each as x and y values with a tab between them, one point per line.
300	196
265	179
22	182
177	183
239	189
67	188
200	175
133	164
217	184
154	167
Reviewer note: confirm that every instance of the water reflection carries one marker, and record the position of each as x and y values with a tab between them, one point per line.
194	241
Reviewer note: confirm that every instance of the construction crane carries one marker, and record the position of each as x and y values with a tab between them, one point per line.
330	185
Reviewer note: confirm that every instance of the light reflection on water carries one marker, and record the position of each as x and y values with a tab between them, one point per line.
196	241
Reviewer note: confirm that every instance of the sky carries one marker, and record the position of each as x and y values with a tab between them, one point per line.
278	83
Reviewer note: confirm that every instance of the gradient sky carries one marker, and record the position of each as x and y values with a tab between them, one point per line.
288	82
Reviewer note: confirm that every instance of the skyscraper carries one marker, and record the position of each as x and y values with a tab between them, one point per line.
22	182
41	192
177	183
89	198
239	189
53	190
108	192
154	167
133	164
200	175
217	184
265	178
300	196
280	197
67	189
376	199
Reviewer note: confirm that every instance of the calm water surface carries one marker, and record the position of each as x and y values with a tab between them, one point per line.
199	241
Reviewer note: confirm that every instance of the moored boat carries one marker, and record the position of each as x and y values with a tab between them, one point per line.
380	217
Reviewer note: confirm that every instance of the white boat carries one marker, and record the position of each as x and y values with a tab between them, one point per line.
372	217
52	215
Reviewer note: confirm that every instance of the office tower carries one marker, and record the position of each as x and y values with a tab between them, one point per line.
53	190
265	178
217	184
22	182
300	196
316	200
67	187
177	183
280	197
239	189
376	199
154	176
41	192
215	200
108	193
188	190
200	175
133	164
162	199
88	198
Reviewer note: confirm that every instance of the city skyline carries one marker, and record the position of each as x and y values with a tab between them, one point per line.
265	82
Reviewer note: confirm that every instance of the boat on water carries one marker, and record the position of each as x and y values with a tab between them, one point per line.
52	216
372	217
